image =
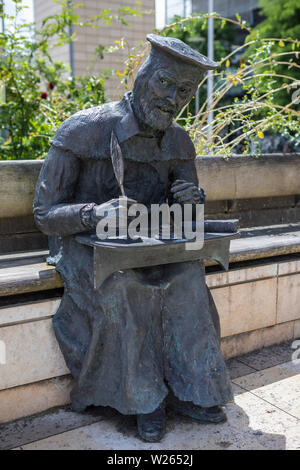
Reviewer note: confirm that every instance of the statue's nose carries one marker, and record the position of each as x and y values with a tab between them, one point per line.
172	96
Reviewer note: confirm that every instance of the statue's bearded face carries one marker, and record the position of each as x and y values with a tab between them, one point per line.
167	90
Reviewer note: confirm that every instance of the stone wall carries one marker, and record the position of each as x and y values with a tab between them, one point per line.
238	177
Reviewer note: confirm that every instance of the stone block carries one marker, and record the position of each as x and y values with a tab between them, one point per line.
288	304
32	354
297	329
243	343
246	307
236	276
29	399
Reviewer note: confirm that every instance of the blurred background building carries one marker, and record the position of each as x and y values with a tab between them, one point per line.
79	54
247	9
177	7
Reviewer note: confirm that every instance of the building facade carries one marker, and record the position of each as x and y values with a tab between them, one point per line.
79	54
177	7
228	8
247	9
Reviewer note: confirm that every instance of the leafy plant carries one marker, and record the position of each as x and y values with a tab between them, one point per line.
280	19
37	92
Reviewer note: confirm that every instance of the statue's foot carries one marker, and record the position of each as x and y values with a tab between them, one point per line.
214	414
152	426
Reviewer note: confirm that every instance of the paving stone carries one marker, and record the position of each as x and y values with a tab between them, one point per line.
253	424
268	357
53	422
238	369
278	385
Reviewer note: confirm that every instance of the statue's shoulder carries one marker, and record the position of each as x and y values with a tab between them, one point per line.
179	143
87	133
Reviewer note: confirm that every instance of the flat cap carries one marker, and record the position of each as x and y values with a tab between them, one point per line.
182	51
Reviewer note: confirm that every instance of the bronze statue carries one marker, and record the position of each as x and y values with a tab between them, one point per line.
148	337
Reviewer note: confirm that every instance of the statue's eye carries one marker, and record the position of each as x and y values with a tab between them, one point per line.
183	90
163	81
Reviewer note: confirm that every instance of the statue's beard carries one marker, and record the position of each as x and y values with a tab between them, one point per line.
154	112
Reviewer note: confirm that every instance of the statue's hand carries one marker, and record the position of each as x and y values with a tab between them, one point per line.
187	193
114	212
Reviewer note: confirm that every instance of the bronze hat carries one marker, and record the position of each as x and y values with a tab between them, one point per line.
182	51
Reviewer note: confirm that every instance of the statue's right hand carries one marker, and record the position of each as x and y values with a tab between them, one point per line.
114	212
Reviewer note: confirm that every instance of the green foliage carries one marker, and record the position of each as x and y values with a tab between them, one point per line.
36	93
281	20
194	33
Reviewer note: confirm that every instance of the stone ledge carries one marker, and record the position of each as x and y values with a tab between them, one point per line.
22	313
264	242
22	278
273	175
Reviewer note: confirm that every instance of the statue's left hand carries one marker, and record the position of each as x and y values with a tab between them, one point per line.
187	193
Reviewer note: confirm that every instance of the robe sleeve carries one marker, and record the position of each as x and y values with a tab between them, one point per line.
182	170
54	210
185	170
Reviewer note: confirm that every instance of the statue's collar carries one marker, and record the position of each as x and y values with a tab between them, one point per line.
127	126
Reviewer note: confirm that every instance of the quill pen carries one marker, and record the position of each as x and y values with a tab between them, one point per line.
117	161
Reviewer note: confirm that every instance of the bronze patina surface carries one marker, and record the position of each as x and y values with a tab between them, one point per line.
150	332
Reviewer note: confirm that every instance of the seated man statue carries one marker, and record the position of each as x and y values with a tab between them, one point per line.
148	337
